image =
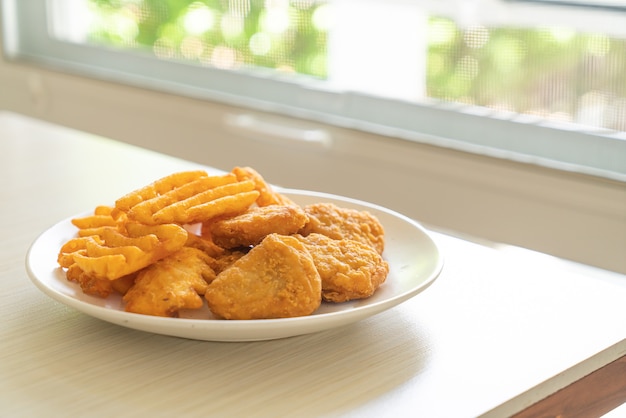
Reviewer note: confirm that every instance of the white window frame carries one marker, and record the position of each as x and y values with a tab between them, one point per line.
504	135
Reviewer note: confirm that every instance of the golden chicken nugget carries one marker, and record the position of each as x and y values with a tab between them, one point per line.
256	223
348	269
344	223
276	279
205	244
227	259
171	284
219	258
124	283
267	196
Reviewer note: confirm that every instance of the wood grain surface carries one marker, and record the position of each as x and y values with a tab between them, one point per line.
592	396
501	329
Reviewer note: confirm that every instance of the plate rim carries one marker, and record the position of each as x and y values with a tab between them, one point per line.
171	325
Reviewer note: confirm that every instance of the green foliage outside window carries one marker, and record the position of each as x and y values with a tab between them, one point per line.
227	34
553	73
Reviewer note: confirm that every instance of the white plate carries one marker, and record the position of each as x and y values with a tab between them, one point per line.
413	257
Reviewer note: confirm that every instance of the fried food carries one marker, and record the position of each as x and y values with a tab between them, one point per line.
124	283
256	223
219	258
176	282
222	262
114	254
102	216
230	240
348	269
157	188
344	223
205	244
226	200
276	279
267	196
89	285
94	286
187	198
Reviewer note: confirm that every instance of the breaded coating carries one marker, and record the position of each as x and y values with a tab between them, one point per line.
276	279
171	284
344	223
219	258
205	244
349	269
123	284
255	224
222	262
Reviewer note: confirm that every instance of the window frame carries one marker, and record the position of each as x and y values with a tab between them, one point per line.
477	130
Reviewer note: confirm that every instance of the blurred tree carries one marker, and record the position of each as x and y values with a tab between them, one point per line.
552	73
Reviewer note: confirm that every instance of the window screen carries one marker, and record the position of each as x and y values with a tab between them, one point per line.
526	81
396	50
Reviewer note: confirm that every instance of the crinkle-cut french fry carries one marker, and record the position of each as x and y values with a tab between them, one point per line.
158	187
190	210
114	254
267	196
223	206
144	211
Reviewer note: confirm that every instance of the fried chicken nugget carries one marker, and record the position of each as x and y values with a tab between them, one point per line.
256	223
225	260
276	279
344	223
171	284
204	243
220	258
348	269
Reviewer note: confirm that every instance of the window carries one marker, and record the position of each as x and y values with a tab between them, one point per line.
397	104
519	82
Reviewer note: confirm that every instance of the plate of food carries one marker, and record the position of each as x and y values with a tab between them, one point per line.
284	275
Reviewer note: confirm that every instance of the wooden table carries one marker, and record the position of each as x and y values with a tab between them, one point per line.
500	332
